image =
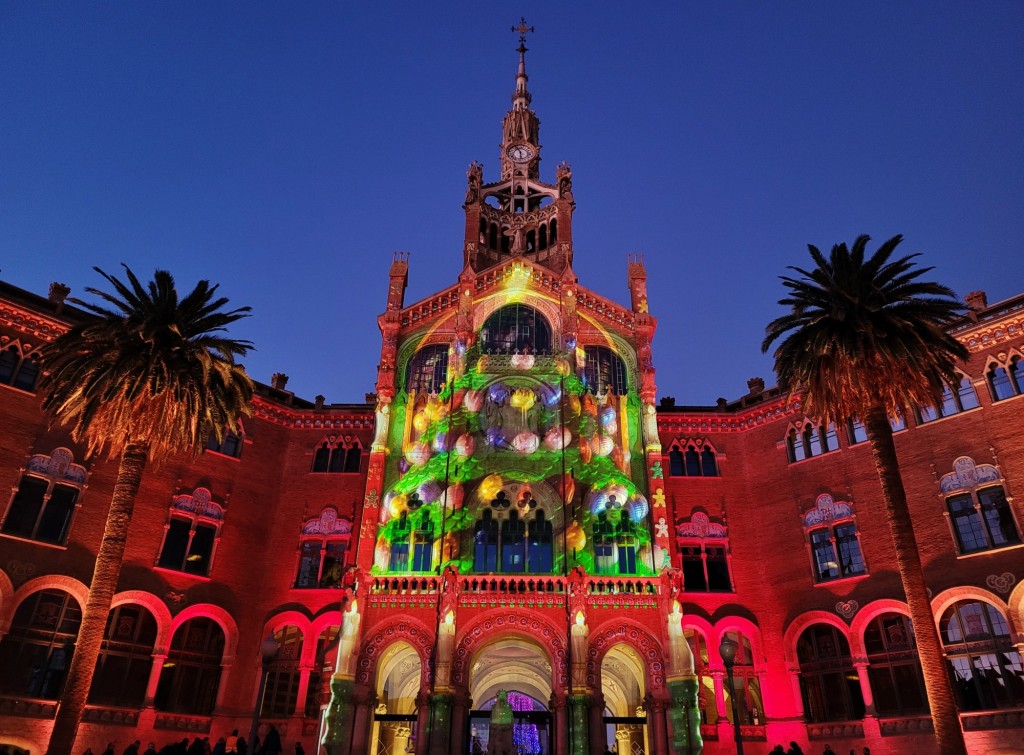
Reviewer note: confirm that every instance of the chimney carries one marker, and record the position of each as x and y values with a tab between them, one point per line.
722	404
755	386
668	402
58	293
976	301
370	398
318	403
278	381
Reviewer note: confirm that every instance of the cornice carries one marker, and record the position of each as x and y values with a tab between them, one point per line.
311	419
983	337
31	323
720	422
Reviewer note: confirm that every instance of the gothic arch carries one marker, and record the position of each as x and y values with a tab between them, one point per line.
547	307
797	627
161	614
327	619
500	622
626	632
285	619
222	617
404	629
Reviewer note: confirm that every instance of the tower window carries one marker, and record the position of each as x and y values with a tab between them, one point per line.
604	370
516	328
428	369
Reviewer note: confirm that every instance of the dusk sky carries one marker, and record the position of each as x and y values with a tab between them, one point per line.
286	150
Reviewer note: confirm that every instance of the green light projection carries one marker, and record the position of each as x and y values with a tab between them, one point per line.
518	421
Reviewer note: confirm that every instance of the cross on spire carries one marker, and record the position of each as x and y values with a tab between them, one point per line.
523	30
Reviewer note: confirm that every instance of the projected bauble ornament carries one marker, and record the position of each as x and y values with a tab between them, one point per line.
474	401
429	491
418	454
465	445
498	393
495	437
489	487
562	367
575	537
589	405
597	502
453	497
619	491
399	504
523	361
607	416
483	363
586	454
573	405
557	438
420	421
526	442
436	409
602	445
523	399
567	488
403	465
638	508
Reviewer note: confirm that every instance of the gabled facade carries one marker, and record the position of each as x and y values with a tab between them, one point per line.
514	510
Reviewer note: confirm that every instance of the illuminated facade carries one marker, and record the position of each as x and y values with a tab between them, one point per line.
514	510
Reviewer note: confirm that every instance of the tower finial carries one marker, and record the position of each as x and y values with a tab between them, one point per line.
521	98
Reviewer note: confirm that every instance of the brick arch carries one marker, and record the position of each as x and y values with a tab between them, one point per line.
161	614
6	600
942	602
327	619
77	589
404	629
744	626
1016	605
869	613
223	619
504	622
626	632
805	620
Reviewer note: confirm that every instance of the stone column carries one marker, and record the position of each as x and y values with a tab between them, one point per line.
798	696
579	720
865	687
461	705
596	733
300	698
422	723
439	725
560	724
154	679
655	708
362	719
222	688
721	708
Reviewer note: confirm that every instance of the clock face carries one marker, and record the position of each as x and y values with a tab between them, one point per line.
520	153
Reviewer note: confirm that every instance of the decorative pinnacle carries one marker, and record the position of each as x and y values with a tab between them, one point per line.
523	30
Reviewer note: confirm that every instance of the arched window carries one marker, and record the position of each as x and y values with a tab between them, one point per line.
809	440
15	370
894	670
513	539
323	666
191	674
1006	381
746	686
543	235
705	680
400	537
282	689
46	498
191	535
423	544
676	467
230	444
857	433
828	681
334	454
979	513
704	554
604	370
36	652
984	665
553	231
516	328
428	369
953	401
615	543
126	657
325	541
831	530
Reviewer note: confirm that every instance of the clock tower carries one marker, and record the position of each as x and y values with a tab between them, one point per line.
520	215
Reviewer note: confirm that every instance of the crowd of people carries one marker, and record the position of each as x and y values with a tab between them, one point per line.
795	749
233	744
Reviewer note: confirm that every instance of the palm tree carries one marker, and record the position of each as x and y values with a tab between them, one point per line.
149	377
867	338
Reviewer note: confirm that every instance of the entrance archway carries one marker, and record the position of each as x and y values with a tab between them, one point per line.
523	669
399	678
624	687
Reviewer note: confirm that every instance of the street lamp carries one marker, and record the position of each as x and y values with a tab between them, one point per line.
268	650
727	649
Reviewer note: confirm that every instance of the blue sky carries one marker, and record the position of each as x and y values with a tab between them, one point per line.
285	150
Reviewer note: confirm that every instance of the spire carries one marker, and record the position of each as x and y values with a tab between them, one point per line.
521	97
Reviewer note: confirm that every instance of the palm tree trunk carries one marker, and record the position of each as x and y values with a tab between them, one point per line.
101	592
949	735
